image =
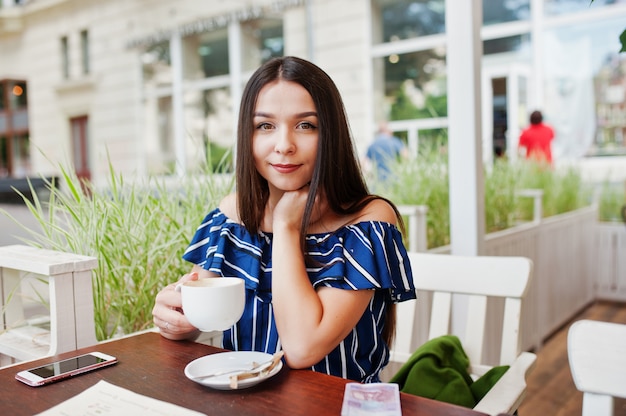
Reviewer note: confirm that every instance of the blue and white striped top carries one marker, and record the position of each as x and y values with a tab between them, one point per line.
366	255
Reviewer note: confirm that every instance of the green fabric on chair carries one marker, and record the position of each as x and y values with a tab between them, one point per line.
481	386
439	370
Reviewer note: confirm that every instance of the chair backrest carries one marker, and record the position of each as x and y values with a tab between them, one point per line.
477	278
597	356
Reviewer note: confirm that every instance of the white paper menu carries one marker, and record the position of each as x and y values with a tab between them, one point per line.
105	398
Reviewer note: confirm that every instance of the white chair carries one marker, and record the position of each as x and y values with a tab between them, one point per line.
447	280
597	358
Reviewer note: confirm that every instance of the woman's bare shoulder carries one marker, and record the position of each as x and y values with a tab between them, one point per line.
377	210
228	206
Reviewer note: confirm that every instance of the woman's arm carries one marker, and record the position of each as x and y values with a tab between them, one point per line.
311	322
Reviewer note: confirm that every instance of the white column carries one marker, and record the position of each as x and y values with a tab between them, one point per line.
310	44
176	56
512	111
536	41
235	68
487	117
464	51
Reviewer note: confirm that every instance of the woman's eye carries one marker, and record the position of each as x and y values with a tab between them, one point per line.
306	125
264	126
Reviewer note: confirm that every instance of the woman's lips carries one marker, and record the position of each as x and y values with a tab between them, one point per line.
282	168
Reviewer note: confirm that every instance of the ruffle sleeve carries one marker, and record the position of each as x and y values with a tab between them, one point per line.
366	255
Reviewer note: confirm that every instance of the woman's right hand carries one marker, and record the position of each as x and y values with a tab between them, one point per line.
168	315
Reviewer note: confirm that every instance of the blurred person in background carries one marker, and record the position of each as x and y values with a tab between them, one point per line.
536	139
384	150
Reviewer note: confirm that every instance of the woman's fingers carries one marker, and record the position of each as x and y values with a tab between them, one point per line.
167	313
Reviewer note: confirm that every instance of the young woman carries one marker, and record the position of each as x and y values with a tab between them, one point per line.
322	259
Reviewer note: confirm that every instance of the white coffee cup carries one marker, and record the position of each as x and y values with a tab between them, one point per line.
213	304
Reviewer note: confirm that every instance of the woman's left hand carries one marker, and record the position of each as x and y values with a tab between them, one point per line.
290	208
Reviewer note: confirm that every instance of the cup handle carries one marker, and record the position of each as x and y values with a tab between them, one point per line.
178	287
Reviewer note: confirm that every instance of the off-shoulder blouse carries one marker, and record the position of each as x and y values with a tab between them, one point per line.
367	255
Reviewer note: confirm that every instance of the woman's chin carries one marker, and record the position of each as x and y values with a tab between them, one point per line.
290	186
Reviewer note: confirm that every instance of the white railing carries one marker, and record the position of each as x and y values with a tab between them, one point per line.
562	250
572	266
610	261
417	226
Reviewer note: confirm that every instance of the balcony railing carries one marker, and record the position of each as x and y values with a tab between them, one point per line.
576	260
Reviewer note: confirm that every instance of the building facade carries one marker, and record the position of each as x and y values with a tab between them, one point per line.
153	86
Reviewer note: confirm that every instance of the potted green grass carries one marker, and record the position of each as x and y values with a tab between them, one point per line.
137	230
424	181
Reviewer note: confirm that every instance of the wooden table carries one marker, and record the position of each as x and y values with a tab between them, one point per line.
153	366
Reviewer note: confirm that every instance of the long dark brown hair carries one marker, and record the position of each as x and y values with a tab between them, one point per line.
337	171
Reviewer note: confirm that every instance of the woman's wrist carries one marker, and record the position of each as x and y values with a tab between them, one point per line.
285	227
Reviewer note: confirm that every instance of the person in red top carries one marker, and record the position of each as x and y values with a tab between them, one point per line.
537	139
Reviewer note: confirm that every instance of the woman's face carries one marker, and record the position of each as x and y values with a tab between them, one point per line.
284	142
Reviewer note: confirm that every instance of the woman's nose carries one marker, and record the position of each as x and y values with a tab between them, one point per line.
284	142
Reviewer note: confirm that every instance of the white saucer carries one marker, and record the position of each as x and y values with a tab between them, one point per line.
224	361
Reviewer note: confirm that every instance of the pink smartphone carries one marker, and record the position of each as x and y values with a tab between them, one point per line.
59	370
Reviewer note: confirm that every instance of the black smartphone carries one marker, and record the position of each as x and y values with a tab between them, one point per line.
59	370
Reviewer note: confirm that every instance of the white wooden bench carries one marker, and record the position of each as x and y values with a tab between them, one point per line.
70	324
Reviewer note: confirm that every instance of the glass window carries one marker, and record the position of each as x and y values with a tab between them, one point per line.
585	88
156	64
558	7
609	80
84	49
412	85
21	156
159	149
508	44
218	125
65	58
80	145
3	103
394	20
498	11
19	120
166	125
205	55
262	40
4	157
17	95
